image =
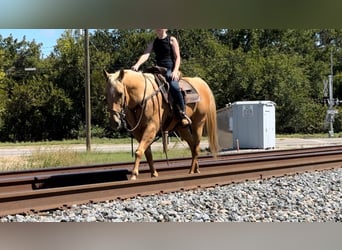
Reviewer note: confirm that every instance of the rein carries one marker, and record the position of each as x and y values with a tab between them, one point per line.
142	104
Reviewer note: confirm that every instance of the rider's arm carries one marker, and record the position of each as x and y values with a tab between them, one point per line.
143	58
176	53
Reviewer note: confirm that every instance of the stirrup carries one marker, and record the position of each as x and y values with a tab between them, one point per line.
185	120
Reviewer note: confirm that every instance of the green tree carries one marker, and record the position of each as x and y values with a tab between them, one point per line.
70	76
33	108
37	111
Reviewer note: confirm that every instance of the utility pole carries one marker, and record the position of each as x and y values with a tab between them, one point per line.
331	112
87	89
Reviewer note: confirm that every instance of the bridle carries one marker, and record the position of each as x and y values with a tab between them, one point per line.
142	105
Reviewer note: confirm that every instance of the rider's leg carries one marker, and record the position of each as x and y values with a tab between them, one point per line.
179	100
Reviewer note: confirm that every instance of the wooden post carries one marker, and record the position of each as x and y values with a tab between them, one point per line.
87	90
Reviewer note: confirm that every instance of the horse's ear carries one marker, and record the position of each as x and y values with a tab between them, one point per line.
106	74
121	75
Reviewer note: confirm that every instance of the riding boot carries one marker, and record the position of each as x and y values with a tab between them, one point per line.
185	120
179	100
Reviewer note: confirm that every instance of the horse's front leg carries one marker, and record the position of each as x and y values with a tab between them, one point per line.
138	155
144	148
149	158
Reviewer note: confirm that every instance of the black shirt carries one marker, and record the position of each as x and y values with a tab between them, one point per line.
164	53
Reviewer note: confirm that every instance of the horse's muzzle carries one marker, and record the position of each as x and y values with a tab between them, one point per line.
115	121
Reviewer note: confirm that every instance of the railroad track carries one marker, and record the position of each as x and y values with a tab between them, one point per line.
44	189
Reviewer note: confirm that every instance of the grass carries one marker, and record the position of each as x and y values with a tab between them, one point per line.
72	158
64	157
68	142
308	136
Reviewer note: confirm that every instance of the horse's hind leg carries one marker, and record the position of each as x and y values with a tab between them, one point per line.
193	141
149	158
195	148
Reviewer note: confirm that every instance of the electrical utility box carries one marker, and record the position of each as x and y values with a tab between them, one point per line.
253	124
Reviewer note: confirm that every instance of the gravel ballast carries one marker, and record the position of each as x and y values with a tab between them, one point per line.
308	197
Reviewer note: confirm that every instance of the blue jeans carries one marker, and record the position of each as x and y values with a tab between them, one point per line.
175	91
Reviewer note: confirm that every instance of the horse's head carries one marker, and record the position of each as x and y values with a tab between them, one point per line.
115	97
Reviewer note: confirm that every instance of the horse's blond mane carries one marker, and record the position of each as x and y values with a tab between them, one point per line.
148	76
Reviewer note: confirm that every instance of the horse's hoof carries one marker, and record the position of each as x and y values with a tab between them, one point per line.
195	172
154	175
134	177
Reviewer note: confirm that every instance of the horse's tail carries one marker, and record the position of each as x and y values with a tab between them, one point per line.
211	125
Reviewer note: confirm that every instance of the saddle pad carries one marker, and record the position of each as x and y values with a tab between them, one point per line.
190	94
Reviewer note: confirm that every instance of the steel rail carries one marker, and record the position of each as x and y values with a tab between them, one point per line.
30	193
159	163
75	175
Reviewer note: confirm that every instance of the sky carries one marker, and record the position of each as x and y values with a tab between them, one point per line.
48	37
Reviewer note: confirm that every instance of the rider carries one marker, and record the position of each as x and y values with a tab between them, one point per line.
166	49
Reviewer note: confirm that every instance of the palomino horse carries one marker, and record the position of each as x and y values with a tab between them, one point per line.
136	97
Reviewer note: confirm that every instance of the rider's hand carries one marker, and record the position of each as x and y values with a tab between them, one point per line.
135	68
175	75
